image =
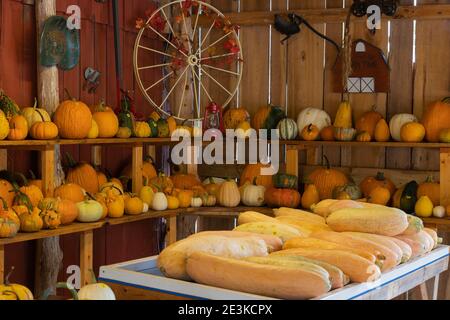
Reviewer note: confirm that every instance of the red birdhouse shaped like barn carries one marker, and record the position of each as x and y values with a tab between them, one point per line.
370	70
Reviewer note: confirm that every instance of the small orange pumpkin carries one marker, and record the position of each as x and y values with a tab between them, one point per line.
43	130
327	133
364	137
379	195
310	133
82	174
18	128
70	191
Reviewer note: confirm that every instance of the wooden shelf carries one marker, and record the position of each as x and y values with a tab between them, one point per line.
40	144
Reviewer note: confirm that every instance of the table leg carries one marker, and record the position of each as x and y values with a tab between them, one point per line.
436	287
423	291
86	253
2	264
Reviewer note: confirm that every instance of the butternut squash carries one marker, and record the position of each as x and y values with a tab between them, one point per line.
381	240
251	216
303	226
273	243
415	225
357	268
267	280
305	215
283	231
386	259
383	220
338	278
313	243
406	249
172	260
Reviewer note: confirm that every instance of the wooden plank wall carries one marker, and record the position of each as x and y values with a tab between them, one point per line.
18	79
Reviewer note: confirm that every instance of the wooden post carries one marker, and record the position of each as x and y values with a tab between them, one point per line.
48	254
96	156
292	161
445	177
2	264
172	232
137	162
86	262
48	171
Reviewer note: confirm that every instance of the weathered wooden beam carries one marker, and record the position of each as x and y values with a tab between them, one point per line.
253	18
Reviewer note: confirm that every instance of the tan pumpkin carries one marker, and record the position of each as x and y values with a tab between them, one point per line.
327	134
436	118
412	132
382	133
326	179
212	187
252	171
431	189
73	119
70	191
228	195
379	195
368	121
252	195
18	128
344	116
234	116
371	182
82	174
107	121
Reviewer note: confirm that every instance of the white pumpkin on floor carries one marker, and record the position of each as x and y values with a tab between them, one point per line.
96	291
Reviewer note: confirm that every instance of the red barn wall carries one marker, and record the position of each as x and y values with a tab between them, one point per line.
18	80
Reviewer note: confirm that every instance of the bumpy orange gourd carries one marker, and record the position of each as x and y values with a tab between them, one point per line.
234	116
34	194
364	137
326	179
73	119
431	189
436	118
107	121
252	171
51	219
368	122
31	221
163	183
82	174
18	128
371	182
70	191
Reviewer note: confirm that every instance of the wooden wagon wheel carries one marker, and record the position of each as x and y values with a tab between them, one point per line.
191	56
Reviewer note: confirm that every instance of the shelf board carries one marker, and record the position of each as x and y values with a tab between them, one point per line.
69	229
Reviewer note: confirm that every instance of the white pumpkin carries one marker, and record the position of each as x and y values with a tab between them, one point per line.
34	115
252	195
159	202
288	129
96	291
397	122
439	212
89	211
314	116
196	202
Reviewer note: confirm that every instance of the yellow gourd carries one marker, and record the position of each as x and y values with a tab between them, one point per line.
172	203
93	132
424	207
382	133
146	194
4	126
310	197
344	116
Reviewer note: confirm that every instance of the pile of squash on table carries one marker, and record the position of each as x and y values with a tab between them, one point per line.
299	254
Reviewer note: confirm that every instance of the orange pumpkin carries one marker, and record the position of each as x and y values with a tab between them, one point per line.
5	192
102	178
234	116
185	197
431	189
253	171
33	192
148	170
107	121
70	191
379	195
310	133
436	118
260	117
327	133
368	122
327	179
277	198
82	174
370	183
43	130
185	181
73	119
18	128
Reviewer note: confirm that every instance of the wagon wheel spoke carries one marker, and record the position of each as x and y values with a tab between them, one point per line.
217	41
184	91
219	56
196	22
202	86
173	88
222	70
186	29
206	36
156	51
159	81
168	22
165	39
197	104
215	81
154	66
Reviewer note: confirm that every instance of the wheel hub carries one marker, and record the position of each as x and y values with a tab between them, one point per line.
193	60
